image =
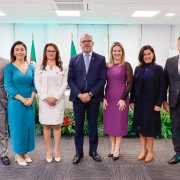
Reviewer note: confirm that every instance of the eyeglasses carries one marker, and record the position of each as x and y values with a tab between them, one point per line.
86	41
49	51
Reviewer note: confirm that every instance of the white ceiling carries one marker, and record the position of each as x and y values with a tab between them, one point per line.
102	11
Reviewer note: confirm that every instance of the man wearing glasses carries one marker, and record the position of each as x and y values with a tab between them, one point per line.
86	78
3	115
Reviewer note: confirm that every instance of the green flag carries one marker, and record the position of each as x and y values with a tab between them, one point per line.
73	49
33	54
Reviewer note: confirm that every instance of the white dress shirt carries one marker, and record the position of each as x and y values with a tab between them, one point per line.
90	55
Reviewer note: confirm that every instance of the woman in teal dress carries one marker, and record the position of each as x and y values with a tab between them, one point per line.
19	85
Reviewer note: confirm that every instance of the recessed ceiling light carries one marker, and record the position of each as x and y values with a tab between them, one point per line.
68	13
144	13
170	14
2	14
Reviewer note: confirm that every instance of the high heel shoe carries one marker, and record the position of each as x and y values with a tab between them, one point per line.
115	158
112	150
27	158
57	159
110	155
48	159
22	163
142	157
149	159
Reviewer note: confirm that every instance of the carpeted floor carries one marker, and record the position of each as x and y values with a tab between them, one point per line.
126	168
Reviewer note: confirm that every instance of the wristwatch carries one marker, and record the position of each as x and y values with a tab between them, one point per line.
90	94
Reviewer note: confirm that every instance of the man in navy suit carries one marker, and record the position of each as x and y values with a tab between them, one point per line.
86	78
172	77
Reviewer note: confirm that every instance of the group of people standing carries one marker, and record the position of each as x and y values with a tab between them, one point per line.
88	75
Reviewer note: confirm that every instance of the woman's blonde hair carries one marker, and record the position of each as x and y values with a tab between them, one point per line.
111	60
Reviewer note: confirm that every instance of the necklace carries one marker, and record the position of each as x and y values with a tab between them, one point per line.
148	67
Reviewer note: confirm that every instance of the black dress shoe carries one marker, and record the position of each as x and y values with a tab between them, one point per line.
5	160
77	158
174	160
95	156
115	158
110	155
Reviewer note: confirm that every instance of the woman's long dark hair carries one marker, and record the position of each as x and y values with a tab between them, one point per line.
141	54
13	57
59	63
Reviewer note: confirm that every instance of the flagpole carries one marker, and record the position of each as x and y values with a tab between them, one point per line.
71	36
33	54
73	49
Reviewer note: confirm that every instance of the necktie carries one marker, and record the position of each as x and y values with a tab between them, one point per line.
87	62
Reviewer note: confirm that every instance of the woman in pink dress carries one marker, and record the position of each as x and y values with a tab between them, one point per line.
116	101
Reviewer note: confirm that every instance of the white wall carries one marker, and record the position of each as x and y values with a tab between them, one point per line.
61	36
5	40
176	34
128	36
24	32
158	36
100	37
163	38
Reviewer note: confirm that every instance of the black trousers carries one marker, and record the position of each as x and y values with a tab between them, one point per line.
175	121
92	116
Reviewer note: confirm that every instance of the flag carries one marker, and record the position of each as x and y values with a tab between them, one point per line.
33	54
73	49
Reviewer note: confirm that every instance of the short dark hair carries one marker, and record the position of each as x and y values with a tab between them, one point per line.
141	54
178	38
13	58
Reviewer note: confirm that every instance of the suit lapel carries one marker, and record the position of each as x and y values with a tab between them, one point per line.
91	62
82	63
176	68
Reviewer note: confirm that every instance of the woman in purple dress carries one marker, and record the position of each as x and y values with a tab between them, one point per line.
146	100
116	101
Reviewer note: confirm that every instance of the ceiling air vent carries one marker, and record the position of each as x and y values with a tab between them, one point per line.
72	5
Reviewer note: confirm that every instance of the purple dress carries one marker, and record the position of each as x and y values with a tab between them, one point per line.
119	83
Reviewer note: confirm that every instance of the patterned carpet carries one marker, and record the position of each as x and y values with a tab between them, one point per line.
126	168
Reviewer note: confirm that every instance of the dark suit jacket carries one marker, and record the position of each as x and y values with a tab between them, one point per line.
96	77
3	96
172	80
156	86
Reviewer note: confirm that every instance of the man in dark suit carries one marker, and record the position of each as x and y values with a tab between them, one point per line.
86	78
3	116
172	79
